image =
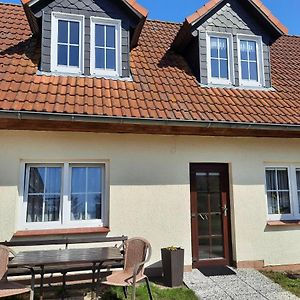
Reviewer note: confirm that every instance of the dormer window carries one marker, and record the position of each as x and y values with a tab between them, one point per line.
67	43
105	47
219	53
250	56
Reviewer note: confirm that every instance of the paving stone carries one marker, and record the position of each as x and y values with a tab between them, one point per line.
281	296
221	279
247	285
249	297
236	288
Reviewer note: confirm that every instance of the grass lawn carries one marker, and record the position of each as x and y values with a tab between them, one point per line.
291	285
115	293
158	293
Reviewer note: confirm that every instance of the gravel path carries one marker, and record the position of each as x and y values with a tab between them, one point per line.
247	284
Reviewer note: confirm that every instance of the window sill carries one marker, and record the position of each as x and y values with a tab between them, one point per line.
65	231
284	223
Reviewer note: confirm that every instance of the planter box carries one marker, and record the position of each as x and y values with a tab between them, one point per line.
173	266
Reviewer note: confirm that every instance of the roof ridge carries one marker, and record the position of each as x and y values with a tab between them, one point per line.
292	35
163	21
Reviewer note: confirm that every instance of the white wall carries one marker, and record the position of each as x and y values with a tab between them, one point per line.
149	185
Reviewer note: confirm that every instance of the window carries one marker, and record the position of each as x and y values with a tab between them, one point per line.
220	67
64	195
250	61
67	43
105	47
283	192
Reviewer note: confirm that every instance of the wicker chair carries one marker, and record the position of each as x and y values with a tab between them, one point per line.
137	253
8	288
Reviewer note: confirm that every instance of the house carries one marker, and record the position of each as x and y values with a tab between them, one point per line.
185	134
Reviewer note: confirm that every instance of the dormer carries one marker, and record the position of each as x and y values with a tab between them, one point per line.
227	43
86	37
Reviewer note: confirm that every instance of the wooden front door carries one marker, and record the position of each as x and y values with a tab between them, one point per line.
210	215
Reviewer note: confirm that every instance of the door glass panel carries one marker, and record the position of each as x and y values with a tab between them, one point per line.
215	202
214	182
209	215
216	224
203	225
201	182
204	248
202	202
217	248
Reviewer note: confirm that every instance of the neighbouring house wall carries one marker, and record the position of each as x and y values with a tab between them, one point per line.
149	185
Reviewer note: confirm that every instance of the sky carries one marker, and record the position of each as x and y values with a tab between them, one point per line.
287	11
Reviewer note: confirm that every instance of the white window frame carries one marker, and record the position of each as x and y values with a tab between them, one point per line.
65	205
106	22
293	192
260	61
229	38
55	17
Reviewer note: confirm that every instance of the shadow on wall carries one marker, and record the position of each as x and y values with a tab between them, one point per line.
283	228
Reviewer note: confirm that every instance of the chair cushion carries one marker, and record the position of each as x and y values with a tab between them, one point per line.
122	279
11	288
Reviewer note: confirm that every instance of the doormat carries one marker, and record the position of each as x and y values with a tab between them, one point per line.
216	271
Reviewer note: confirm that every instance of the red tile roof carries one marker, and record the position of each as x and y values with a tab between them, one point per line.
163	86
213	3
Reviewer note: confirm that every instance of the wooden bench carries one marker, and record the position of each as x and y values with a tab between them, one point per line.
66	242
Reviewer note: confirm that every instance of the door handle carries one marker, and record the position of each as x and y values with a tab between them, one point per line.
225	210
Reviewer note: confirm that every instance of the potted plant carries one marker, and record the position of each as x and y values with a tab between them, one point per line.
173	265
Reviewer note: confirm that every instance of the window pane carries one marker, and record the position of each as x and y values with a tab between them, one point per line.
34	209
53	181
284	202
78	180
298	179
74	33
272	203
62	31
214	68
214	47
36	180
62	55
283	179
111	59
74	56
244	50
52	207
224	69
99	35
94	206
245	71
271	180
253	71
94	180
99	56
78	207
252	50
110	36
223	48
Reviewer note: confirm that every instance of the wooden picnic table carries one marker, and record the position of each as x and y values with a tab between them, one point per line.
67	257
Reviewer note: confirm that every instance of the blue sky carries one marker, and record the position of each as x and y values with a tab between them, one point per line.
287	11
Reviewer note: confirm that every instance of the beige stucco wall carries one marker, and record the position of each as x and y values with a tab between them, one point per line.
149	185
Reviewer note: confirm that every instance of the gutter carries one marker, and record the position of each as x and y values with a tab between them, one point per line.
23	115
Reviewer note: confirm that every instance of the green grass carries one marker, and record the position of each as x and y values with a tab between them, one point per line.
291	285
158	293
